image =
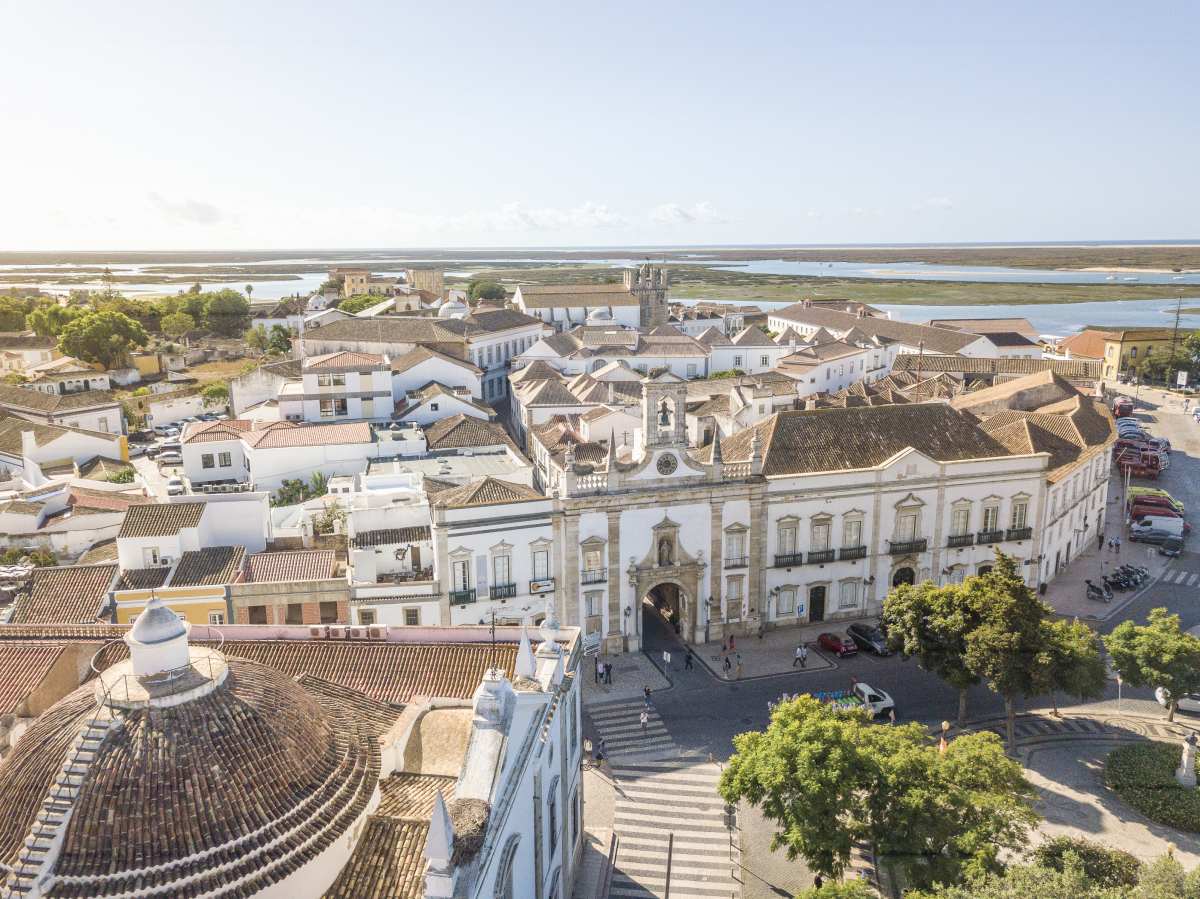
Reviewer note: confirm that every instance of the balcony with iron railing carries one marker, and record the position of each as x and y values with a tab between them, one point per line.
847	553
503	591
821	556
903	547
462	597
737	561
787	560
955	541
1019	533
595	575
990	536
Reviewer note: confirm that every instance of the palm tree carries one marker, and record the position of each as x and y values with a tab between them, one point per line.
249	290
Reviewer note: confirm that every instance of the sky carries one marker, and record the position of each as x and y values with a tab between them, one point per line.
383	124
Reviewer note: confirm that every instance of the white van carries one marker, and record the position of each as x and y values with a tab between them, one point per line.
1156	529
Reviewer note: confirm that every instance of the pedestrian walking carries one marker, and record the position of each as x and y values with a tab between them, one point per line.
1118	545
1111	545
608	673
761	630
687	661
724	644
646	694
728	665
731	643
796	655
596	666
739	666
645	719
892	716
1099	541
803	655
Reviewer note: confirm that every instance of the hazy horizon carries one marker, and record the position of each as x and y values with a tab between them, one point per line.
145	127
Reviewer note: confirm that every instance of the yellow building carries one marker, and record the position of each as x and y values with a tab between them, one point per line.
1121	351
196	588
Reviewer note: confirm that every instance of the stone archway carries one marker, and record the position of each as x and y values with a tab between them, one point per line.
905	574
670	603
673	576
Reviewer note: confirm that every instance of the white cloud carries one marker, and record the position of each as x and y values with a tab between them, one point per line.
934	203
703	213
188	211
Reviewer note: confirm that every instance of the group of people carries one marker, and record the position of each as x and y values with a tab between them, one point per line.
733	659
603	672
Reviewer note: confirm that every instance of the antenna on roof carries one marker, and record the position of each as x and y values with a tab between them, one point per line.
920	356
492	657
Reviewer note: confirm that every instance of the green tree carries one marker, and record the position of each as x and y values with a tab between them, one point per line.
829	779
1076	664
1007	648
249	291
104	337
931	623
1158	653
482	289
319	483
12	313
1101	864
280	340
356	304
227	312
839	889
256	338
215	394
14	378
177	324
49	319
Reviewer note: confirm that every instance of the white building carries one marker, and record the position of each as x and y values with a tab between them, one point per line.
639	301
91	410
418	367
346	386
157	535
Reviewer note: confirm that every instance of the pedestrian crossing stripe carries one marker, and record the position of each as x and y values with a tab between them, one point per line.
620	726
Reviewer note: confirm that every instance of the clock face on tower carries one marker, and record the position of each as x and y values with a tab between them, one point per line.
667	463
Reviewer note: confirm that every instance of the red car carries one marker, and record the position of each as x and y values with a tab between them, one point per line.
837	643
1145	510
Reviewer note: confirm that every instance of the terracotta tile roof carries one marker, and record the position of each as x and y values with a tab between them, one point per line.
1074	369
143	578
24	666
940	340
37	401
344	360
434	486
19	507
99	468
986	325
849	439
548	393
388	862
160	519
487	492
389	536
493	320
416	356
11	427
70	594
1088	344
289	369
410	796
1009	338
104	551
283	434
392	329
711	337
538	370
26	342
208	567
106	499
576	296
754	336
465	431
211	431
301	565
1071	431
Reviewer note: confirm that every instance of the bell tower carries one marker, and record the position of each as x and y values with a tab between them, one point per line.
649	284
664	411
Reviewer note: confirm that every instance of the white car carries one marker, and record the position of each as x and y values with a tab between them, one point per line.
1189	702
175	487
169	458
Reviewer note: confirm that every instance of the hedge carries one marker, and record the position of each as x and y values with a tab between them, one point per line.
1143	775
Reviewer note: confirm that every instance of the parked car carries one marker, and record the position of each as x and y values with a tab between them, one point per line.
860	696
837	643
1136	491
1188	702
175	487
170	458
1171	547
1146	510
207	416
166	430
138	449
868	637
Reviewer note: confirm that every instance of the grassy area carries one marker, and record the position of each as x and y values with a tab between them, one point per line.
702	282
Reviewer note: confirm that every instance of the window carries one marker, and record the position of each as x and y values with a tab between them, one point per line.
339	380
460	572
787	601
848	598
787	538
206	461
323	380
1020	514
733	589
574	812
592	560
1133	352
295	613
735	545
737	361
489	356
541	564
332	407
906	527
991	517
552	817
591	604
820	536
225	460
960	521
502	570
366	616
329	613
433	407
764	361
257	614
216	617
149	556
412	617
852	532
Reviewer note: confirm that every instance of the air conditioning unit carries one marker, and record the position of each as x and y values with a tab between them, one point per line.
358	632
317	631
165	561
377	631
337	632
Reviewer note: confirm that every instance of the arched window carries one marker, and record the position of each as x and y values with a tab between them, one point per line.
552	815
903	576
504	873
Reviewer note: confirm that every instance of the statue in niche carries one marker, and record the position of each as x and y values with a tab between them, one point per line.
664	415
665	552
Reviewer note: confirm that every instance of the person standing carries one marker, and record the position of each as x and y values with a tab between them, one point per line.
1118	545
803	655
732	645
727	665
687	661
645	719
646	695
739	666
596	666
1099	541
608	673
796	655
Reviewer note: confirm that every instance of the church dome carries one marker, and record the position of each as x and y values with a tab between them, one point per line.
452	309
219	783
157	624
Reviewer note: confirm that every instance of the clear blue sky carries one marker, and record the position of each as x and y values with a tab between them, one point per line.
245	125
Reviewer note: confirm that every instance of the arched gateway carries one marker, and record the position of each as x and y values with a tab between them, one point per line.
668	579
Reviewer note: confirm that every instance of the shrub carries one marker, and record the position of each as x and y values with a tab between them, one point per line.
1143	775
1101	865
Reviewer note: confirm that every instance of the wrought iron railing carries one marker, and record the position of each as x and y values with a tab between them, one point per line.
595	575
901	547
852	552
787	560
737	561
1018	534
462	597
503	591
821	556
990	536
957	540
